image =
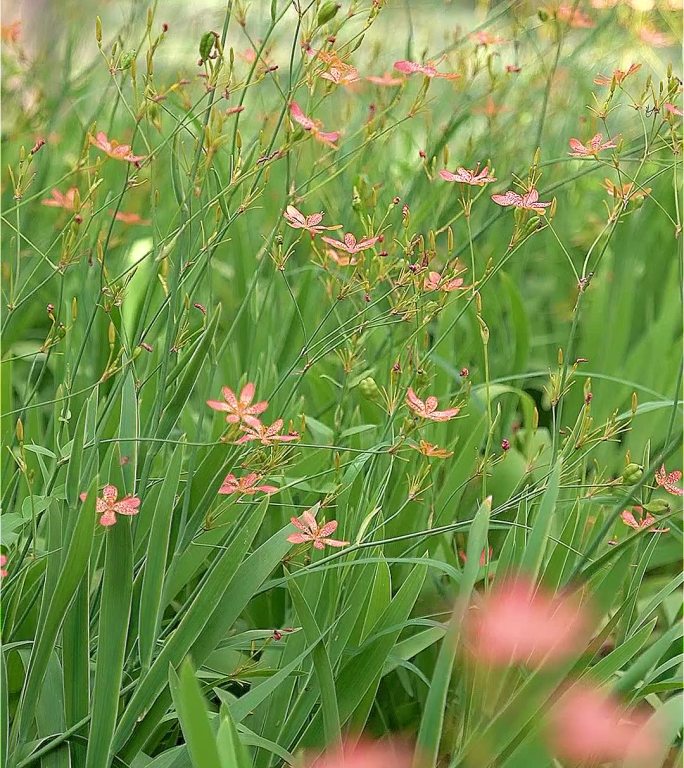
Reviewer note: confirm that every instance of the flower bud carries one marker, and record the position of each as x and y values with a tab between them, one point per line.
127	59
98	30
206	45
20	431
369	389
632	473
327	12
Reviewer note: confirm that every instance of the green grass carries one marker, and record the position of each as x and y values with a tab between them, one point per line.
194	633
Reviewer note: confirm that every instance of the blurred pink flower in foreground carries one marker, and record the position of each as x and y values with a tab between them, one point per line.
247	485
435	282
428	70
673	110
66	200
654	37
255	430
3	562
485	556
529	201
313	126
573	16
385	80
591	149
667	480
519	623
475	178
365	754
114	149
238	408
483	37
618	75
350	244
109	507
588	725
311	531
644	522
427	409
129	217
312	223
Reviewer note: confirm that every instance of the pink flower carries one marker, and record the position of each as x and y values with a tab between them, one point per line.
255	430
130	218
114	149
475	178
386	81
238	408
483	37
667	480
365	754
652	36
3	562
313	126
246	485
645	521
311	223
341	74
574	17
350	244
109	507
588	725
59	200
435	282
512	69
618	75
519	623
311	531
673	110
592	147
529	201
428	409
428	70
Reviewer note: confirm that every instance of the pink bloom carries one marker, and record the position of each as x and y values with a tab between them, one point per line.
114	149
311	531
365	754
589	725
109	507
653	37
59	200
475	178
512	69
386	80
667	480
3	562
519	623
529	201
428	409
342	74
350	243
673	110
483	37
311	223
592	147
255	430
645	521
435	282
574	17
130	218
428	70
238	408
246	485
313	126
618	75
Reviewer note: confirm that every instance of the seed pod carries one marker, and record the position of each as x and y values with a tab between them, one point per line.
327	12
657	507
20	431
206	45
632	473
126	60
370	390
98	30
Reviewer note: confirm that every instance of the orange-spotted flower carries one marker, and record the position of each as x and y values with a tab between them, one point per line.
428	70
341	74
3	562
591	149
386	80
66	200
238	408
311	531
666	480
435	282
476	178
313	126
619	75
529	201
312	223
427	409
246	485
255	430
432	451
114	149
108	506
645	521
350	244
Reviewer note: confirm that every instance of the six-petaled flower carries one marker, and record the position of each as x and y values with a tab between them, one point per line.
246	485
529	201
666	480
310	531
591	149
313	126
114	149
66	200
350	244
427	409
645	521
475	178
255	430
435	282
237	408
311	223
108	507
428	70
619	75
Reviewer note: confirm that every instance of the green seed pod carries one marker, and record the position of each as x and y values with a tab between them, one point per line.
126	60
370	390
206	45
657	507
327	12
98	29
632	473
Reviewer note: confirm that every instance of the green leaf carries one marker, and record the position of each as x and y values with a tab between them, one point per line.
539	535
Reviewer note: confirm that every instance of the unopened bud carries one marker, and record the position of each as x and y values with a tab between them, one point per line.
98	30
369	389
632	473
111	334
327	12
20	431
